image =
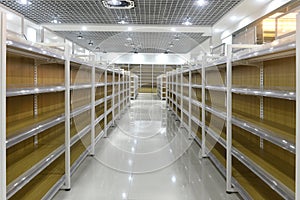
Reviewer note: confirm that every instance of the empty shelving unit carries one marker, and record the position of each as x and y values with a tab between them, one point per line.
58	107
230	84
161	87
241	108
134	86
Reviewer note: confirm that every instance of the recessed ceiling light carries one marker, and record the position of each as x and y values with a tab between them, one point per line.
171	45
201	2
129	39
177	37
114	2
233	18
187	22
79	37
55	21
24	2
118	4
122	21
217	30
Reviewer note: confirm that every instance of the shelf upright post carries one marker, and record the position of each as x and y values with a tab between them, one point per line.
229	188
105	103
67	185
181	95
119	95
113	96
190	101
203	108
93	110
3	106
298	108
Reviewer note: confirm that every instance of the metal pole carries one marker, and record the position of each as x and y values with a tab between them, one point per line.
298	108
203	109
67	120
93	96
105	103
190	102
113	96
229	119
119	96
181	95
3	107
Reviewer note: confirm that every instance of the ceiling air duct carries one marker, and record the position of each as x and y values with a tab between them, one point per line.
118	4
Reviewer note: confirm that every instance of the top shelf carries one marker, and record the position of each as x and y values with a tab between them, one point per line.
282	47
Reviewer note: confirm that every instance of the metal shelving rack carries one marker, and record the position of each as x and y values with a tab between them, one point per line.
282	48
134	86
18	46
161	87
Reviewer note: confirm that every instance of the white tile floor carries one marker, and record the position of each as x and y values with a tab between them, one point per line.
146	157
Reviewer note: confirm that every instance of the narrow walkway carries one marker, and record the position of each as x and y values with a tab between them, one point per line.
147	157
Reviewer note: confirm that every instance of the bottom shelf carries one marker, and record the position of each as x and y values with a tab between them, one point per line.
38	187
251	183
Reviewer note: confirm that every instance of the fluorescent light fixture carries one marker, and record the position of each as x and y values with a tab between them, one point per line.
129	28
201	2
173	29
84	28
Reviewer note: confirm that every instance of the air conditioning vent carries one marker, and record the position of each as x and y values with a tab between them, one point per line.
118	4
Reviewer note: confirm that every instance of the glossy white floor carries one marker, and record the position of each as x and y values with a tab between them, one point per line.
146	157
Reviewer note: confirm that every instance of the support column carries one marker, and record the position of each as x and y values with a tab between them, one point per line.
229	119
93	96
105	103
113	96
203	109
3	107
190	102
67	120
298	108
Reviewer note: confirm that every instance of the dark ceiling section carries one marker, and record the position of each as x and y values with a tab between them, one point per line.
149	12
168	12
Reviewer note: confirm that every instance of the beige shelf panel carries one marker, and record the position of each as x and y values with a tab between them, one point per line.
276	161
26	154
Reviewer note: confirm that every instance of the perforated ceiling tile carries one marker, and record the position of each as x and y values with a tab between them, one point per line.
145	42
170	12
164	12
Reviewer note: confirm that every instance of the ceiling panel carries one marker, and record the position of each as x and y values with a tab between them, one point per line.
143	42
168	12
147	12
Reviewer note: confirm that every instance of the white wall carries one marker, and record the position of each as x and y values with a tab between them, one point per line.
144	58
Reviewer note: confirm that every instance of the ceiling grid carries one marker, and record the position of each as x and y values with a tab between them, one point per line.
146	12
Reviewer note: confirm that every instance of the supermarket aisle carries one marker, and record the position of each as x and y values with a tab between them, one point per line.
145	157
